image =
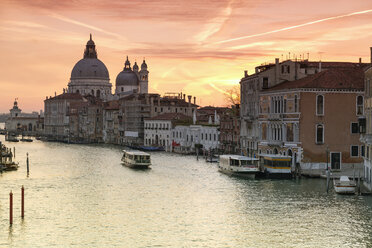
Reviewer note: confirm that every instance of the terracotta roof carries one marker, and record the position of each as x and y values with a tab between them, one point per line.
170	116
351	79
69	96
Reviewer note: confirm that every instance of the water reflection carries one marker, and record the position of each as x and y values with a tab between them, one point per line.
82	196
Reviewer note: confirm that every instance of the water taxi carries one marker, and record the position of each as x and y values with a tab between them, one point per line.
344	185
241	166
276	166
136	159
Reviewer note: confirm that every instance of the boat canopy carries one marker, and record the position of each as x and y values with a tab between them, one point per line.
237	157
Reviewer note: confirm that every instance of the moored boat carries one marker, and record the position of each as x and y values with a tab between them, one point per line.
344	185
136	159
276	166
240	166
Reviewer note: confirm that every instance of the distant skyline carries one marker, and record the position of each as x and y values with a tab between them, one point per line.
198	47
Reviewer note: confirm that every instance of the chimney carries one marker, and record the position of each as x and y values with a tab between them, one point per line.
256	69
184	97
189	97
276	70
55	93
360	60
195	100
245	73
64	90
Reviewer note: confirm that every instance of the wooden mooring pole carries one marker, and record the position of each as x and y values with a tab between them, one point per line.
11	208
13	151
28	168
22	202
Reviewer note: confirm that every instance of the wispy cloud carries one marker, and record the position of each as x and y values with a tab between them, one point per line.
295	26
72	21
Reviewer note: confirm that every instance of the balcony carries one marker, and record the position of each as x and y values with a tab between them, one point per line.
275	117
275	143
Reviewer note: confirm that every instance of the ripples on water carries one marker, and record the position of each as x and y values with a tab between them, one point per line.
81	196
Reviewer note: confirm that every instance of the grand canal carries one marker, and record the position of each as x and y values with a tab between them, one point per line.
81	196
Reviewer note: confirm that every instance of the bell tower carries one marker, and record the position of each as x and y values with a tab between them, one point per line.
144	78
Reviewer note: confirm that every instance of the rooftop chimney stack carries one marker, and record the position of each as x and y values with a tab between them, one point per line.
194	100
184	97
360	60
189	97
245	73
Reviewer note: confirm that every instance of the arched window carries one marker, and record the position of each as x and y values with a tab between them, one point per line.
360	105
77	91
319	134
319	105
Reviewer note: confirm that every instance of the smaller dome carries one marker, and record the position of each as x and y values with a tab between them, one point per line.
144	65
135	66
127	78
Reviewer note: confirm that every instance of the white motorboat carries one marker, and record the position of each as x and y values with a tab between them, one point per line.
241	166
276	166
136	159
344	185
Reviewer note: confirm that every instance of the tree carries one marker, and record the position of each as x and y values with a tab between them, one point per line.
232	95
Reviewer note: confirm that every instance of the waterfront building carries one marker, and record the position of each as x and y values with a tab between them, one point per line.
90	75
365	128
135	108
86	120
158	129
22	123
57	110
230	131
315	120
265	77
111	122
187	138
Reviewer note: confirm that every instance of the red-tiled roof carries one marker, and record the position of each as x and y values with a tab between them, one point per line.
69	96
345	78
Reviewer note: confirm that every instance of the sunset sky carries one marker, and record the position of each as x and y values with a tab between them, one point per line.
198	47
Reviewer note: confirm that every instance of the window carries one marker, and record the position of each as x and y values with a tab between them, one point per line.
354	127
319	134
265	83
319	105
354	151
295	104
362	151
360	105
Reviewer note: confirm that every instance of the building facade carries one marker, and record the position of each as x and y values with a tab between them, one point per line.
315	120
265	77
230	131
366	129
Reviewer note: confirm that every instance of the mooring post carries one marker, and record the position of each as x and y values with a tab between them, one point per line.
28	169
328	178
13	151
10	208
23	202
197	154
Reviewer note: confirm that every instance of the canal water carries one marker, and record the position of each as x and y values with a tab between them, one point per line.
81	196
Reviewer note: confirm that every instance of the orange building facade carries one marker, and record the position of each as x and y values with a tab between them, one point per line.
315	120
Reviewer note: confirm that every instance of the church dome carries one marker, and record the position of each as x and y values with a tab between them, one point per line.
127	77
90	67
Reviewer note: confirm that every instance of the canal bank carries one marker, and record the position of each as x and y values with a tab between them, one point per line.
81	196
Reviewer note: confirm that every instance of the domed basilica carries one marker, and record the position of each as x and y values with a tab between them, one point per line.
91	77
